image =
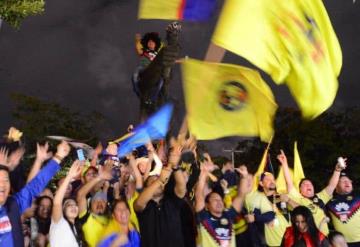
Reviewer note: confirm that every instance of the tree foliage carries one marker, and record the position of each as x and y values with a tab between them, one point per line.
38	118
15	11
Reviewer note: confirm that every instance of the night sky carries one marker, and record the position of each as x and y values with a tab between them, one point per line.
81	55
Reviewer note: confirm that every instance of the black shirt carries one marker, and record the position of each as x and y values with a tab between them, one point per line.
160	224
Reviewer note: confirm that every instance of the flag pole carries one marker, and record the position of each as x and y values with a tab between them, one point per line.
214	53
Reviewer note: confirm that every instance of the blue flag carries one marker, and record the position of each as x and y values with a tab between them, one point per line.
153	128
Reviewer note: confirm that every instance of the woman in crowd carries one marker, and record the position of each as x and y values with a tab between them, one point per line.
64	230
303	231
120	232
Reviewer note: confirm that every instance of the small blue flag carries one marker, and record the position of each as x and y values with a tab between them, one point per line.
153	128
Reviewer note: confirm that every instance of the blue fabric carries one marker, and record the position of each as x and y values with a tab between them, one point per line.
25	196
6	238
154	128
198	10
134	240
265	217
15	205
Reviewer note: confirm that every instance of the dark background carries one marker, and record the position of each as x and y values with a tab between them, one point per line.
81	55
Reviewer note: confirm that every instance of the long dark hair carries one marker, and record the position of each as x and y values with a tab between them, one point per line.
151	36
309	219
79	234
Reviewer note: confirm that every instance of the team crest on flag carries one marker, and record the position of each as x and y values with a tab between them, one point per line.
226	100
232	96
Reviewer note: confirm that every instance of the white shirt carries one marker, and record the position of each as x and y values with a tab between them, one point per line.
61	235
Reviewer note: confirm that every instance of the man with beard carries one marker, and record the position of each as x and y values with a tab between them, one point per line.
307	197
94	219
265	211
344	211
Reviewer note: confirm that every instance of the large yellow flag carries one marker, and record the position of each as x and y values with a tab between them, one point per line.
291	40
227	100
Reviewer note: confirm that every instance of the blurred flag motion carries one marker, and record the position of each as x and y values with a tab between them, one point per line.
154	128
291	40
226	100
192	10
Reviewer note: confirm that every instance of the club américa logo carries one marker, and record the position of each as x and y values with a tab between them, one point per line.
232	95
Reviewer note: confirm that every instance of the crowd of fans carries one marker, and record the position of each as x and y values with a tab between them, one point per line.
167	194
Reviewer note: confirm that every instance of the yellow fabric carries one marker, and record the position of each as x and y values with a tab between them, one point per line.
296	175
133	217
291	40
298	170
111	228
260	169
93	228
159	9
239	225
248	111
316	211
205	240
281	186
275	230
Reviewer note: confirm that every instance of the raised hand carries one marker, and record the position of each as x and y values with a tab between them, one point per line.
207	164
75	169
175	153
98	149
224	184
246	181
282	158
105	171
341	164
4	156
242	170
42	153
15	157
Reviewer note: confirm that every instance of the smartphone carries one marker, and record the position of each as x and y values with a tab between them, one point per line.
80	154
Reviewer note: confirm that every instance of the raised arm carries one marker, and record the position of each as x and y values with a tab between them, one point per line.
12	160
139	183
25	196
200	191
42	154
138	46
174	159
147	194
97	152
57	210
245	187
335	177
205	168
104	174
284	164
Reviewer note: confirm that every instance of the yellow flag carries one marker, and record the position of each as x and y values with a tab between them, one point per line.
226	100
291	40
281	186
298	170
261	168
296	174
